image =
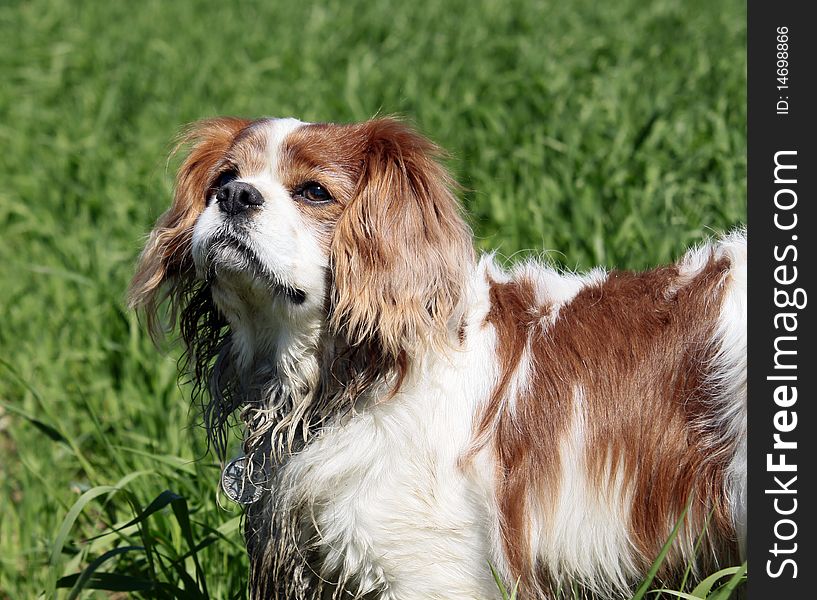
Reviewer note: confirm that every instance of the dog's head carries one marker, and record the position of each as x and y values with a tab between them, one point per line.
282	224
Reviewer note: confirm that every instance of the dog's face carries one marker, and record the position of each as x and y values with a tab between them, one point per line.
263	238
354	225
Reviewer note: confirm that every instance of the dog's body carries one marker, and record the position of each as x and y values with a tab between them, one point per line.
421	413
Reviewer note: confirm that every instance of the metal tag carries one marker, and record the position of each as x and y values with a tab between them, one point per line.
242	487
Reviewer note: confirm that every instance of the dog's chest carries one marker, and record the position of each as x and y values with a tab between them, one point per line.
385	506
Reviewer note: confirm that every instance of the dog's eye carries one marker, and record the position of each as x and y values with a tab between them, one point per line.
314	192
220	181
224	178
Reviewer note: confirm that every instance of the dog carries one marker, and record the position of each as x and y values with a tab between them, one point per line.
416	415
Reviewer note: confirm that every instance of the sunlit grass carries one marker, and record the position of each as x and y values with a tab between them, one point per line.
603	133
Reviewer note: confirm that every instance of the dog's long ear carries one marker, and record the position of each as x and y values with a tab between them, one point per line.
165	266
401	249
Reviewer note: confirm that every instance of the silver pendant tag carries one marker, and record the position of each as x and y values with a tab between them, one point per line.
240	486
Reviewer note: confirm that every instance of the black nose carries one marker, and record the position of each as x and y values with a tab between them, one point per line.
237	197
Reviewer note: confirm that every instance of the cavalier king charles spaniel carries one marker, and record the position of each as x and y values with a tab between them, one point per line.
414	414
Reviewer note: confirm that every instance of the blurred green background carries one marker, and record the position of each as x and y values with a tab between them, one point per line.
589	132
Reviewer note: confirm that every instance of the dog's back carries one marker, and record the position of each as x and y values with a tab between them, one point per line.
621	403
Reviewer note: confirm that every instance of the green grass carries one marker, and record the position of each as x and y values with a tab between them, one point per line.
603	132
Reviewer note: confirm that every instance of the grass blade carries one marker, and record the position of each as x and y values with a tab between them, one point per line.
726	591
499	584
677	594
87	572
703	588
642	589
112	582
48	430
179	506
65	528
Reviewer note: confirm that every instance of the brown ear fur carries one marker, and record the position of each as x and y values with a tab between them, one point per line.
401	249
166	263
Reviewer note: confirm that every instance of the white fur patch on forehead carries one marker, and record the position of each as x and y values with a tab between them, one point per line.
275	132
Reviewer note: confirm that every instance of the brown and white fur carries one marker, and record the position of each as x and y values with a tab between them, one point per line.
420	412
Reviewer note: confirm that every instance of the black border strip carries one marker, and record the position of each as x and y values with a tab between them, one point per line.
781	252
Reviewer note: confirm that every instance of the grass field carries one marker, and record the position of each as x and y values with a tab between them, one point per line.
603	132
